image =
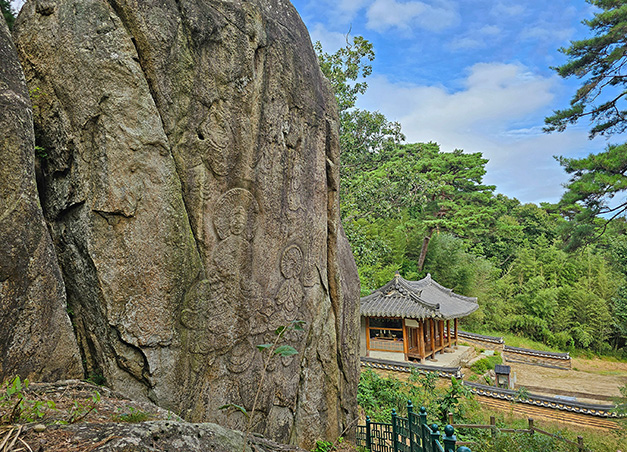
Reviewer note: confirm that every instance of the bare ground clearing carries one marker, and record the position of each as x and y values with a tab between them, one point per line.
590	380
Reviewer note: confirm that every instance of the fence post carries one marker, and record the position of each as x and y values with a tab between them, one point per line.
394	431
368	441
449	439
410	423
435	436
580	443
463	449
450	418
531	430
493	424
423	427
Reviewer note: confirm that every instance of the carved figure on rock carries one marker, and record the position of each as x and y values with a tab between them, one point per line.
235	222
291	293
216	138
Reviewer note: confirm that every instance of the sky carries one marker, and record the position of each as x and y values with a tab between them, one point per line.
473	75
470	74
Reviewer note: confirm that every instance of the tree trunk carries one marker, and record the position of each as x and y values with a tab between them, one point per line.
423	251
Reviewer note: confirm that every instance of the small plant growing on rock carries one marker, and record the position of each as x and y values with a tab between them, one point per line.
271	351
15	407
79	411
131	415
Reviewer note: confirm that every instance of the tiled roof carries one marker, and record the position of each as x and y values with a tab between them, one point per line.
416	300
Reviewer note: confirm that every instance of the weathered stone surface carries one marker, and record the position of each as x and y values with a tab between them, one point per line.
36	338
192	189
152	436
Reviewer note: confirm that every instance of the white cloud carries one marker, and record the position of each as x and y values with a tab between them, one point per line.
384	15
17	4
502	9
547	32
331	41
477	39
467	43
351	6
499	112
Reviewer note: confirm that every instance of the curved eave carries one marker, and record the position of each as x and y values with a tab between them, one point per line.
418	300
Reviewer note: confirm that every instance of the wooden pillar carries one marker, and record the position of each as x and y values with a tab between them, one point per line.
448	333
455	331
432	327
421	339
441	325
405	340
367	336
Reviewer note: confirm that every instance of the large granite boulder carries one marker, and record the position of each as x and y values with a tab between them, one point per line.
36	338
191	186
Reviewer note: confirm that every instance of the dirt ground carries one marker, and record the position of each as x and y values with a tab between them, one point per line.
589	380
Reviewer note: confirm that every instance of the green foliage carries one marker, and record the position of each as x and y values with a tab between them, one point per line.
523	442
522	393
484	364
621	403
414	209
600	62
594	183
271	350
132	415
96	378
363	134
451	401
41	152
378	396
327	446
8	13
80	410
15	407
344	67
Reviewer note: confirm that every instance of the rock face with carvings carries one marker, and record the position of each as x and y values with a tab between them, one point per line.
36	339
191	187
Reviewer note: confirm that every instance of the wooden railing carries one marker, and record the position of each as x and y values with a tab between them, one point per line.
532	429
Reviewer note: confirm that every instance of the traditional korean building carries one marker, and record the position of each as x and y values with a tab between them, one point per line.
415	319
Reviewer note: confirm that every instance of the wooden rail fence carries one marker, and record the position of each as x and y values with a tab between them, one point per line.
532	429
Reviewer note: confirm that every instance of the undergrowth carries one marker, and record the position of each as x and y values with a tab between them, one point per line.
17	408
379	395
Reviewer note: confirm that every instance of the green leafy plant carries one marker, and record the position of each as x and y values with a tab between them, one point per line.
522	393
14	405
450	401
271	351
41	152
327	446
427	380
97	378
484	364
79	411
621	402
132	415
12	399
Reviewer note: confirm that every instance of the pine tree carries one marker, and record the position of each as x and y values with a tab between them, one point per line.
7	12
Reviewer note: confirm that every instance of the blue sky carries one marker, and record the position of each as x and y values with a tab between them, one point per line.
469	74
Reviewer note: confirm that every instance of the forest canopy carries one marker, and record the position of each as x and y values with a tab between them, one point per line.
411	207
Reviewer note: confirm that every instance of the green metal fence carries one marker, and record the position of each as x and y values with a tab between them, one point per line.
407	434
